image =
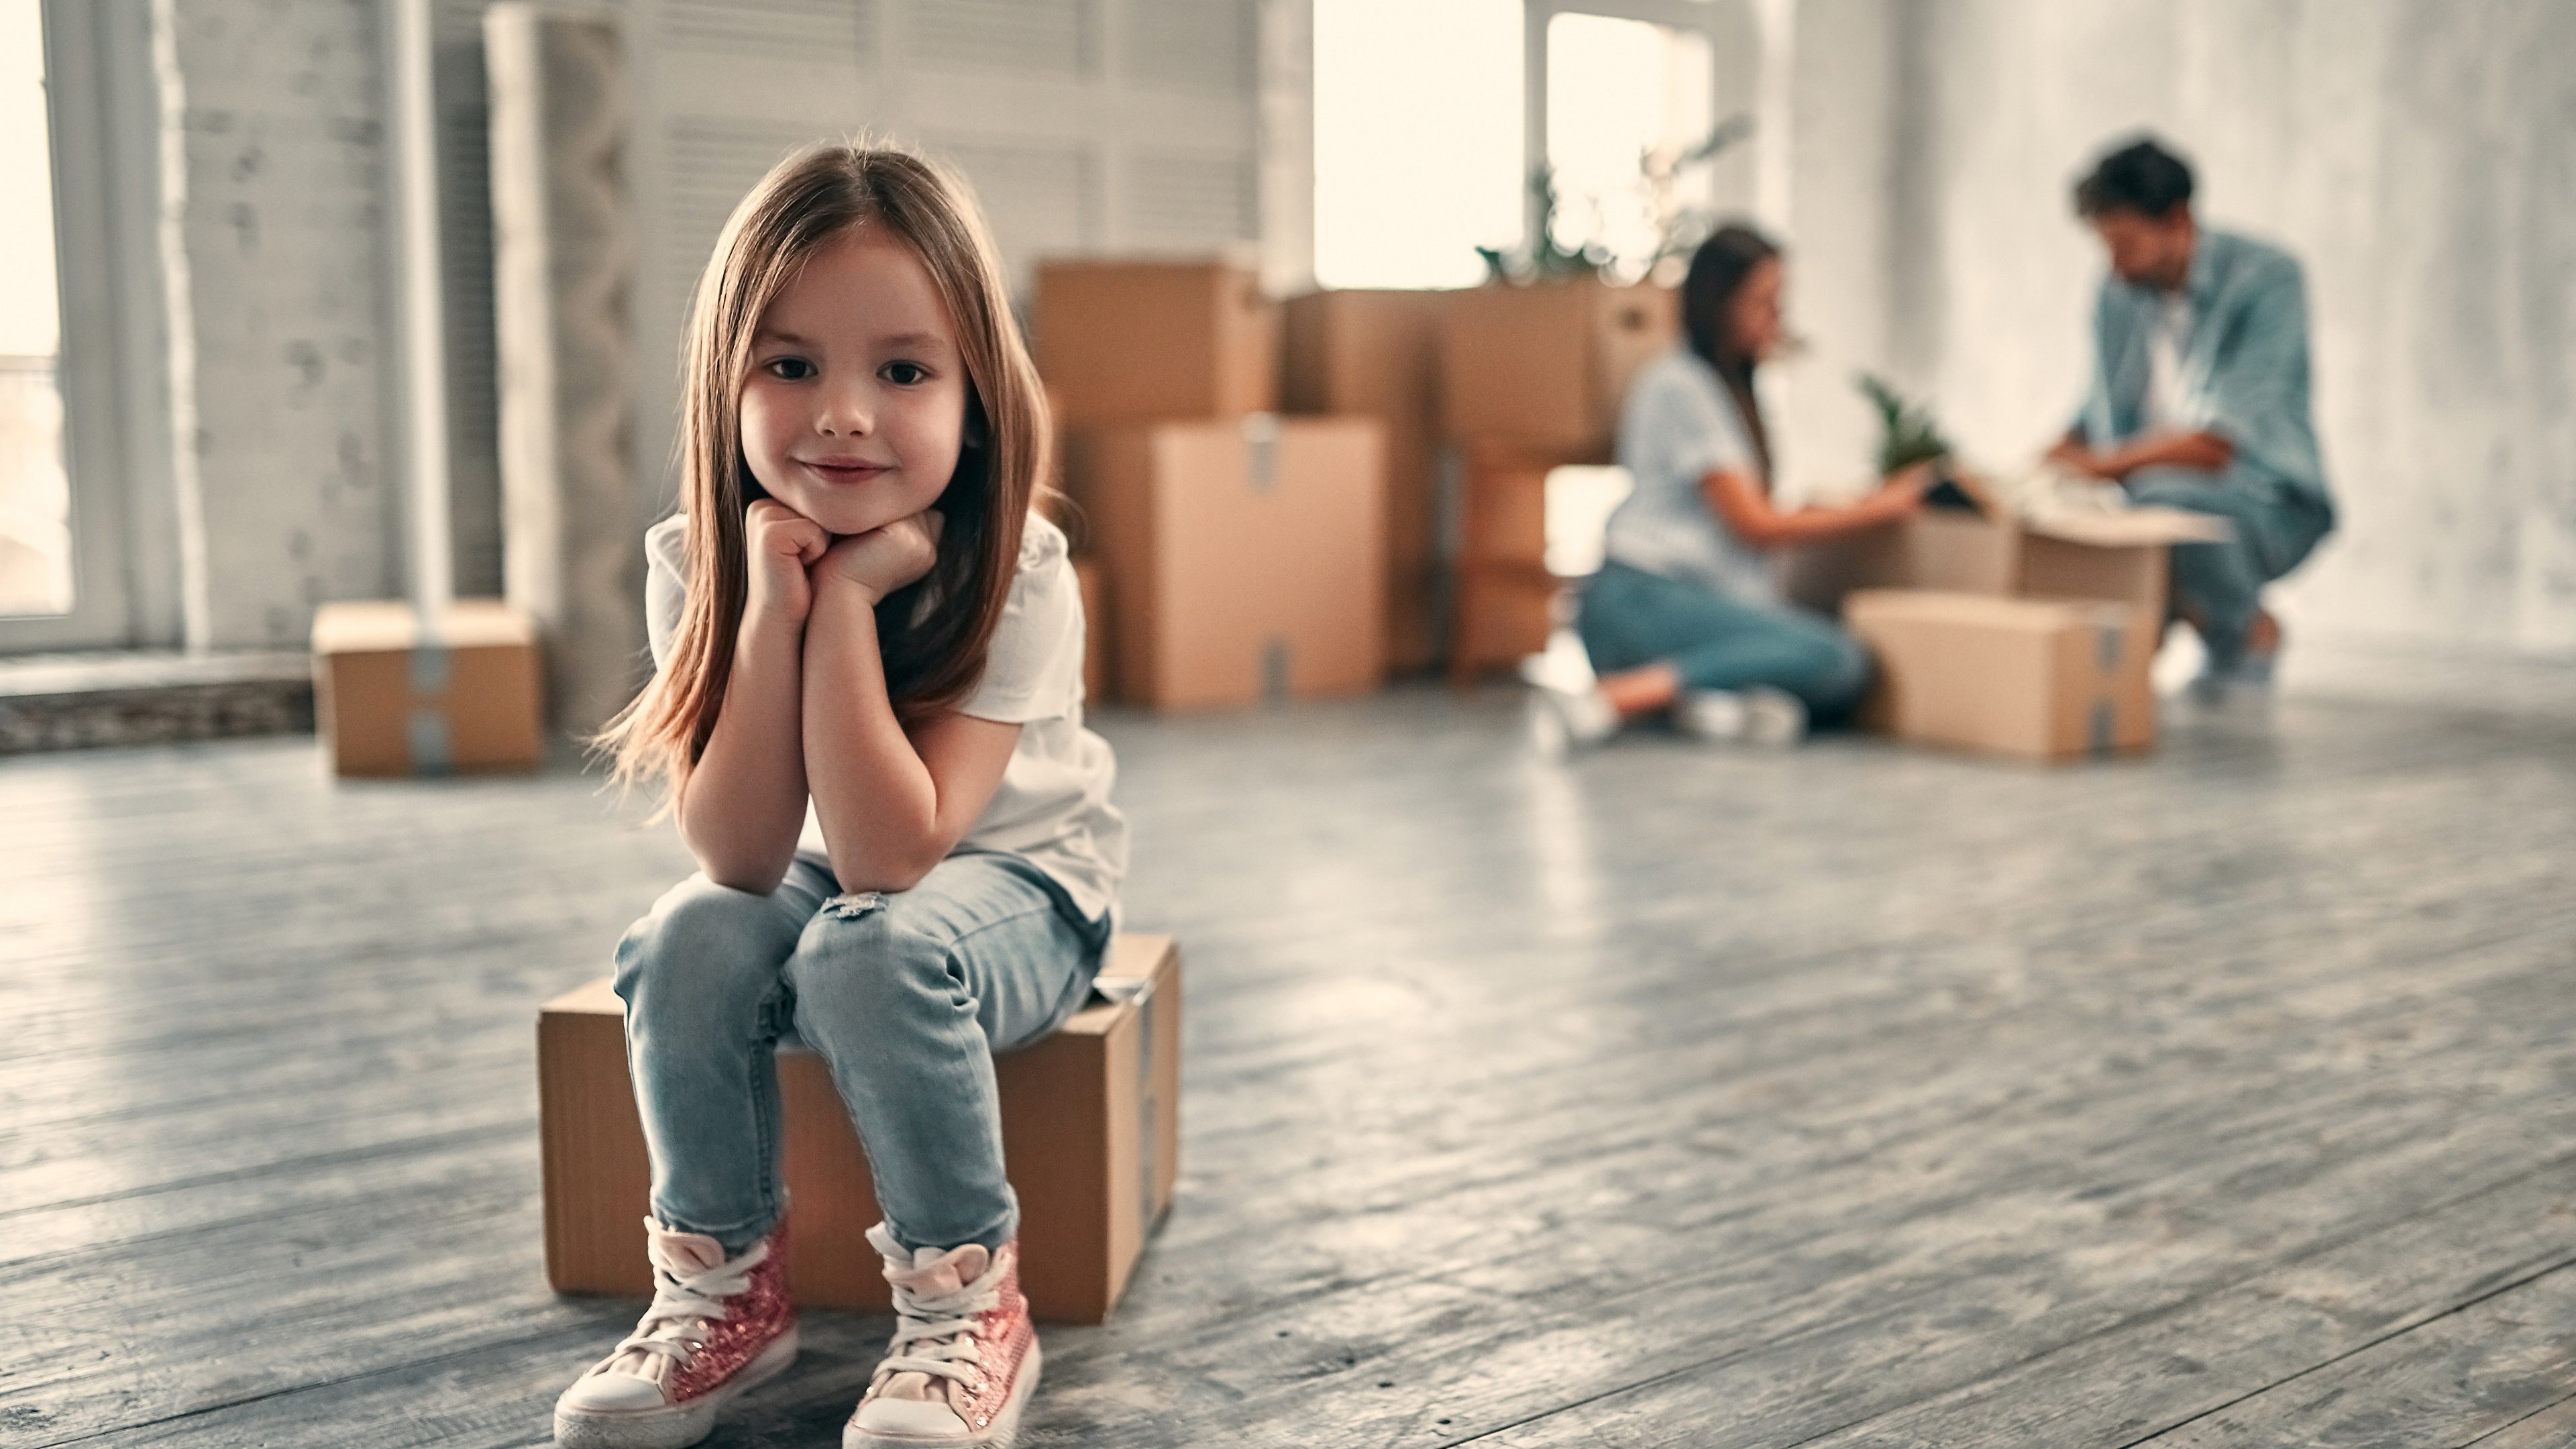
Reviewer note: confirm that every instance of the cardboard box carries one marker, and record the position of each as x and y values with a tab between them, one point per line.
1090	1127
1242	559
2122	556
1376	354
1548	364
389	700
1095	630
1134	342
2042	679
1505	615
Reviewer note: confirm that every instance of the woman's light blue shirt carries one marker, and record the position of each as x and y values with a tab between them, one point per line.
1679	425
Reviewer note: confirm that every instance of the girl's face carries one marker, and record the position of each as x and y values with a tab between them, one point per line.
856	404
1753	313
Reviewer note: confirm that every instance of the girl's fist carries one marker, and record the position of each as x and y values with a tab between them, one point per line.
781	545
882	560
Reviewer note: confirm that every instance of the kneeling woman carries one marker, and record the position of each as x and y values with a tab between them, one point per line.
1685	615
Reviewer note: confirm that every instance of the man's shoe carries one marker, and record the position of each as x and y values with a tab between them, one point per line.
716	1328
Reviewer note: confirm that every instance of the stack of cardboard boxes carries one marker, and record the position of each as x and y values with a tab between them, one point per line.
1532	380
1376	354
1238	552
2007	635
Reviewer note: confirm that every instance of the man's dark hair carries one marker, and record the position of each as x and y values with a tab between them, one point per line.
2142	177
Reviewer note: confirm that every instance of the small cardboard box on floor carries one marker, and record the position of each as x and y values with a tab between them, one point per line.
1547	364
2005	675
2041	679
1090	1128
1376	354
391	699
1242	559
1133	341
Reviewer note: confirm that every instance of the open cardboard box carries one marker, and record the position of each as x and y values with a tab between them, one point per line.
2121	555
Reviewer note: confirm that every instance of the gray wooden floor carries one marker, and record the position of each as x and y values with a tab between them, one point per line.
1850	1097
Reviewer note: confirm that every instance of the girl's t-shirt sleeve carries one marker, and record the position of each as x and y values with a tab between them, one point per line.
666	582
1034	668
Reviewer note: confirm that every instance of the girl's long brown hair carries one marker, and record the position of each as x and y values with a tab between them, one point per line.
934	634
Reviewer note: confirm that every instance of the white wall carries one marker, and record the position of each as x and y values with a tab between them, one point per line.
1086	125
2414	153
272	246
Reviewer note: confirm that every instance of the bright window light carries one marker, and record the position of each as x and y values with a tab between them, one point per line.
1417	140
1623	98
35	498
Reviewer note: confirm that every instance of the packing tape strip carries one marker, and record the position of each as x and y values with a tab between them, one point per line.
1261	439
1276	670
431	667
433	752
2105	727
1146	1135
2111	644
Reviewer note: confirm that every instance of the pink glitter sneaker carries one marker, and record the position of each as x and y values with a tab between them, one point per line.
715	1329
964	1360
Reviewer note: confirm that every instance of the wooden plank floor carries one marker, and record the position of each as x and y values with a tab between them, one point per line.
1847	1097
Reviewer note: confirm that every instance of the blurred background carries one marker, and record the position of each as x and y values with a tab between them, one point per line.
1654	1095
202	325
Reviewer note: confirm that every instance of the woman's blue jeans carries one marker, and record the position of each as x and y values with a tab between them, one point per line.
905	996
1632	618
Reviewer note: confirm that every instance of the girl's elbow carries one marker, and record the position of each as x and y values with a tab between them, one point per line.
887	875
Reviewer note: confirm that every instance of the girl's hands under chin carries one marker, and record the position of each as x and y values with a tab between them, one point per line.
782	545
883	559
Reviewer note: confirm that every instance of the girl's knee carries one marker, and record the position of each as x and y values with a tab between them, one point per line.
857	954
705	939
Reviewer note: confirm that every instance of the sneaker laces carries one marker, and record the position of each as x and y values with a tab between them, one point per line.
686	1300
934	1333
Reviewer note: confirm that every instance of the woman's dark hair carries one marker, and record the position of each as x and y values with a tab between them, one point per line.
2142	177
1717	272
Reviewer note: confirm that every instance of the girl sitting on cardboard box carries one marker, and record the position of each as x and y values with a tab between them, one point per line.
1685	616
868	706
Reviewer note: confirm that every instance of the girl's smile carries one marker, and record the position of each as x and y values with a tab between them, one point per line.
854	408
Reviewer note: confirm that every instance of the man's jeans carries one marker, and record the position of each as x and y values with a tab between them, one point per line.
905	996
2220	585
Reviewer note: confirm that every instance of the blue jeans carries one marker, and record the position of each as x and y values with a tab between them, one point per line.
906	997
1631	618
2220	585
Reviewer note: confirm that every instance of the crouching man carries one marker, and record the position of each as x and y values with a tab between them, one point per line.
2199	400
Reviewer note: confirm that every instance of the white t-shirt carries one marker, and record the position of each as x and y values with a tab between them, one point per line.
1679	425
2169	403
1052	807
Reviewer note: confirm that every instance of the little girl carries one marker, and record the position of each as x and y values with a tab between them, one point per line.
868	707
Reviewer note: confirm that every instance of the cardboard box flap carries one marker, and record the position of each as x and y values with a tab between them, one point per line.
384	626
2130	527
595	997
1983	611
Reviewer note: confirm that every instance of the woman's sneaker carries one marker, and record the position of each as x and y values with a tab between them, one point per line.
1563	720
716	1328
1759	715
964	1359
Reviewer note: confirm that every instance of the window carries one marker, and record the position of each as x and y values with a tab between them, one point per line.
1418	140
1630	117
36	576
